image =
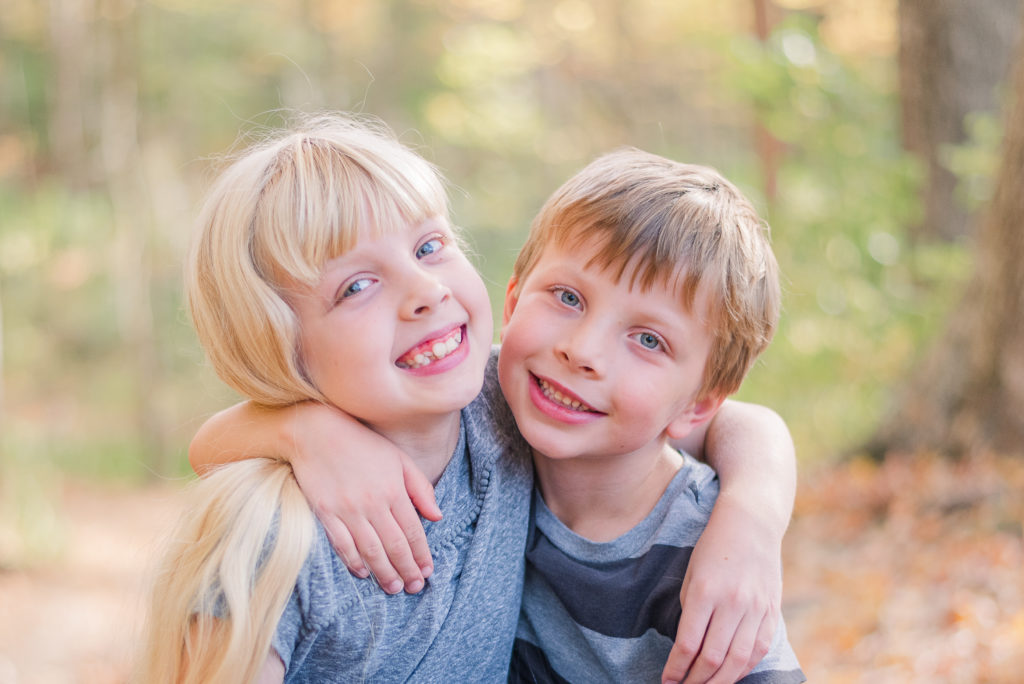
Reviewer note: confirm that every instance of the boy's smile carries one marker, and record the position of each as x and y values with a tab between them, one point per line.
593	367
559	403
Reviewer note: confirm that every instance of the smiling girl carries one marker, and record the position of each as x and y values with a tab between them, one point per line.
325	269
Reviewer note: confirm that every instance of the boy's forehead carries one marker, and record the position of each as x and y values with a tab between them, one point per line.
599	261
614	263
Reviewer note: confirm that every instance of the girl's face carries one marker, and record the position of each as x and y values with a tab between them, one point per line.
398	330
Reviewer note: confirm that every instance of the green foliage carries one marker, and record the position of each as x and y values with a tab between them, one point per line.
860	301
509	98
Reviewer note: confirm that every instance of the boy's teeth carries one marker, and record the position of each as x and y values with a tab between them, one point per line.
437	351
556	396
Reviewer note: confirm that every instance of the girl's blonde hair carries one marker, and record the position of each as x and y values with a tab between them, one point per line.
226	574
273	219
270	222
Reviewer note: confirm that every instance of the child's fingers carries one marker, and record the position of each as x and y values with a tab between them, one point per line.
420	490
415	537
712	653
693	623
399	550
764	638
368	536
738	642
389	555
345	547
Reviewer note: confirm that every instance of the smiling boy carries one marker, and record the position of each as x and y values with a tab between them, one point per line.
644	293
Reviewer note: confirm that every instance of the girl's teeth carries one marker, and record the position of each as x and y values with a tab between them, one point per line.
437	351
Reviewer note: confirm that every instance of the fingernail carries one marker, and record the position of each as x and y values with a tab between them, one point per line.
427	571
414	587
394	587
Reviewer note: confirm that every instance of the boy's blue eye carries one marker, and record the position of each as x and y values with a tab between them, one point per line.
649	341
429	247
356	287
569	298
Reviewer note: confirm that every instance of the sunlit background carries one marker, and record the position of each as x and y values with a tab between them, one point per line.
113	114
114	111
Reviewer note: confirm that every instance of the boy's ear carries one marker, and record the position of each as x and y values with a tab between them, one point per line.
511	299
693	415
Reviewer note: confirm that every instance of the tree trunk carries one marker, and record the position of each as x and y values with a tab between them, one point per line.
769	148
968	394
70	107
953	56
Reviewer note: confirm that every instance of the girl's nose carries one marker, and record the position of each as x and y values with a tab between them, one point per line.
425	293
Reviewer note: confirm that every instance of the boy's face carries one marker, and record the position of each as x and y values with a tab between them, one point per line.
398	329
593	368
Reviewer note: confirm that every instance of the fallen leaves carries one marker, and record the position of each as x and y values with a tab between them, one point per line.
909	570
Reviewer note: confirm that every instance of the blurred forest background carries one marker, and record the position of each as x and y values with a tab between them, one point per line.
871	134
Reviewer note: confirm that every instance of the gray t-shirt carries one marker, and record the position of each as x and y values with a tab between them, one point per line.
338	628
608	611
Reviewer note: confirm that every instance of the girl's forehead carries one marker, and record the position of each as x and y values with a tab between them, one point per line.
373	227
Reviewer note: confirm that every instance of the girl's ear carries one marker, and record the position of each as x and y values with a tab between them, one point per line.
693	415
511	299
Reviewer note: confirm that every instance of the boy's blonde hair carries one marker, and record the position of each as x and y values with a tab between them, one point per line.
663	223
273	219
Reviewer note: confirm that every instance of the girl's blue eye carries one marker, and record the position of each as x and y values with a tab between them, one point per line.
356	287
429	247
649	341
569	298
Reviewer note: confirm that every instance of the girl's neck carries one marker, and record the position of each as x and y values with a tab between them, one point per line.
429	441
603	498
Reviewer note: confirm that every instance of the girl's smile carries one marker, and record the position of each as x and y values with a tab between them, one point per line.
451	348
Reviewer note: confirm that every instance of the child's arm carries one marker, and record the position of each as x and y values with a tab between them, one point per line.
347	473
732	591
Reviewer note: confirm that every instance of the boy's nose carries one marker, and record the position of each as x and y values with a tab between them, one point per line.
582	351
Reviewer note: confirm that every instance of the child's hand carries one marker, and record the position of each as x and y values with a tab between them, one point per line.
364	495
731	601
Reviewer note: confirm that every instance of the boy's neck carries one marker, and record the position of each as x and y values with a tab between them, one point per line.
603	498
429	443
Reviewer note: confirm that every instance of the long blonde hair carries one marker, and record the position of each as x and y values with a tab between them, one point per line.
227	571
276	215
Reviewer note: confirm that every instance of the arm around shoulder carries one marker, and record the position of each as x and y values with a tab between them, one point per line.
242	431
363	488
732	591
752	450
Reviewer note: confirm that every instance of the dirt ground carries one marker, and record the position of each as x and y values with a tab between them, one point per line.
908	572
73	618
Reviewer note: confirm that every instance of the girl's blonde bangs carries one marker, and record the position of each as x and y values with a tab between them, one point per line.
324	195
